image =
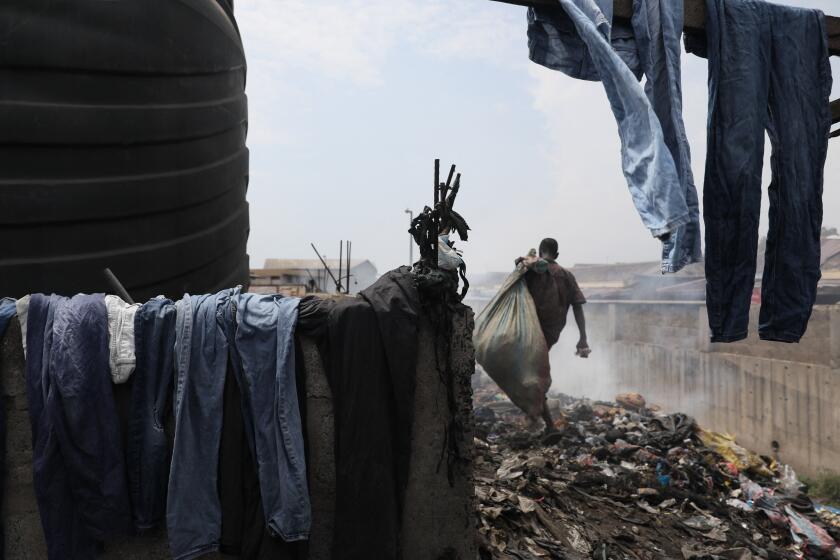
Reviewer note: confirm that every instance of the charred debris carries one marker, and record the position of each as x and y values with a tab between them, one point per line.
624	481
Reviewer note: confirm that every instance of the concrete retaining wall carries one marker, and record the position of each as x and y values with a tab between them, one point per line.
438	517
762	392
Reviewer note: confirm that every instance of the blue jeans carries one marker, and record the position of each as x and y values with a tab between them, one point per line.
148	446
7	311
648	166
657	28
265	348
768	70
193	510
78	463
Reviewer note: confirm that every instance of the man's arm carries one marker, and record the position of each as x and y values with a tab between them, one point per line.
582	345
578	299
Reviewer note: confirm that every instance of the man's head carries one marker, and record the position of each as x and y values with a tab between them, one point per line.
548	248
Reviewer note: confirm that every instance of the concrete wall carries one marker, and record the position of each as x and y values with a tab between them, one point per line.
760	391
438	517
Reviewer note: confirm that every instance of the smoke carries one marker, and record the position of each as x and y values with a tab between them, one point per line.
599	377
592	377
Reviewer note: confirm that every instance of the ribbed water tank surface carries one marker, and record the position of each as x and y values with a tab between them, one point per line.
122	145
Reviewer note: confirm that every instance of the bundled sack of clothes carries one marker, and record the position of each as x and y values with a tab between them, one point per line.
510	345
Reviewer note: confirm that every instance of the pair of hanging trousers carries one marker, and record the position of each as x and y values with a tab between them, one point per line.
768	71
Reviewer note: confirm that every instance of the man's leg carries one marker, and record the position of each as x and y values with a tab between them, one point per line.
546	416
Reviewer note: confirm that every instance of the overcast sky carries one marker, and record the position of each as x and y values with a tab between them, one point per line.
351	101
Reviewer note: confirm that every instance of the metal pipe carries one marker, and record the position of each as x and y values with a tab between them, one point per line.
340	263
117	286
410	238
445	189
326	267
435	213
349	264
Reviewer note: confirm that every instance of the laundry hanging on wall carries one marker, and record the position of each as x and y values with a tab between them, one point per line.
213	443
92	484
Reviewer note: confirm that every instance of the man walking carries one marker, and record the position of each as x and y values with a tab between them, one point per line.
554	289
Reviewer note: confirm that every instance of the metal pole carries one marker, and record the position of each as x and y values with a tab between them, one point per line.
323	262
445	189
340	263
117	285
435	220
349	264
410	239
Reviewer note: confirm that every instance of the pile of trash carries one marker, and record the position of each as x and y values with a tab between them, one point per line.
625	481
830	515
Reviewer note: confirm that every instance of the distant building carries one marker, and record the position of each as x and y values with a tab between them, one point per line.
644	281
297	277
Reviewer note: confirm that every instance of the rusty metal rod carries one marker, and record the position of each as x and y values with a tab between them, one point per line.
349	264
117	286
323	262
436	212
340	264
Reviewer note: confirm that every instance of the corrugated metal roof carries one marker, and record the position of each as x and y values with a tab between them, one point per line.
830	249
311	264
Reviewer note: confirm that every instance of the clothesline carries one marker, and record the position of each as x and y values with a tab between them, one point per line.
695	20
695	17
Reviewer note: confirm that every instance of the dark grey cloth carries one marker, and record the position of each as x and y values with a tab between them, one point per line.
369	345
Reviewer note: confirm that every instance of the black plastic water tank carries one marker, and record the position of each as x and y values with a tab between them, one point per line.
122	145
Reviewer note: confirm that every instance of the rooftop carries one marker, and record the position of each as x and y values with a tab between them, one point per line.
273	266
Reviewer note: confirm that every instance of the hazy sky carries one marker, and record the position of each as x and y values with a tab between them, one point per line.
351	101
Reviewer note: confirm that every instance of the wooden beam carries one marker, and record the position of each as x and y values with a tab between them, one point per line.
695	17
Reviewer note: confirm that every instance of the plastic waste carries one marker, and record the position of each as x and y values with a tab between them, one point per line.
448	257
788	482
725	446
817	541
631	400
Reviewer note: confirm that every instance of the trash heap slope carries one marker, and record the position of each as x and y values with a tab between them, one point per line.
618	482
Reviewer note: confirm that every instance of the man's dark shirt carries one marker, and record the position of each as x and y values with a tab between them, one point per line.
554	290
